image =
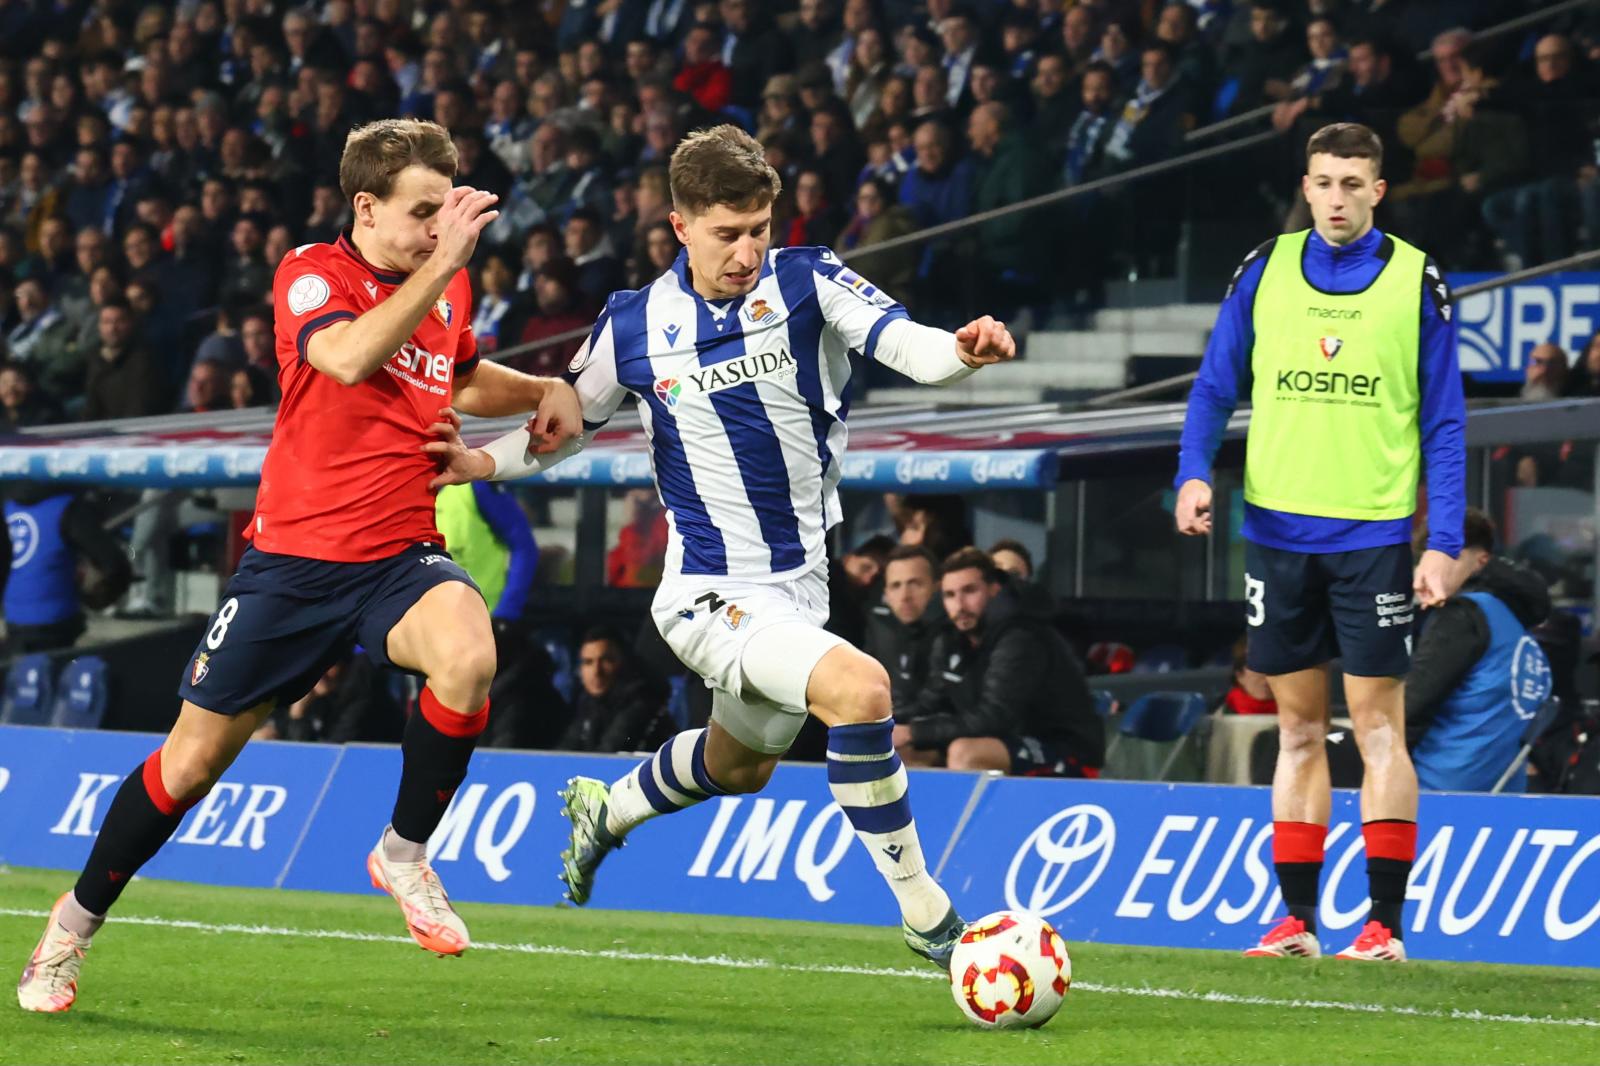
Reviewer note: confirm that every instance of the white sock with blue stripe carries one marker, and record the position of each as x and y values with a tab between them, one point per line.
673	779
870	785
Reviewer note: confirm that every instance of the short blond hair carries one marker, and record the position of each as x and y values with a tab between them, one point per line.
721	165
375	154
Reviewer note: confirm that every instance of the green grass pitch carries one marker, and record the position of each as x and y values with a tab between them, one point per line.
195	974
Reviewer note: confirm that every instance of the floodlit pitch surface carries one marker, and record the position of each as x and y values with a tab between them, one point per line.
195	974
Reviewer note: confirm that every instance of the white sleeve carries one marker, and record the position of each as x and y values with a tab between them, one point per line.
593	373
922	353
512	460
853	307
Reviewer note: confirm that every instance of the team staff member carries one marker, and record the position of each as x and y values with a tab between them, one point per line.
1345	337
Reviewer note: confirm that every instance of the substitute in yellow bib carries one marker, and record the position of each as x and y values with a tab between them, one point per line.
1343	338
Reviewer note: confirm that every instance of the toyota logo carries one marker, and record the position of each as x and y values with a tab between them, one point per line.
1067	841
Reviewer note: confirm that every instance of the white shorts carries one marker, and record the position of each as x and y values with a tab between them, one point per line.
754	644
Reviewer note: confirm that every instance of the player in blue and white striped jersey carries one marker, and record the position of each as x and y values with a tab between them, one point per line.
739	360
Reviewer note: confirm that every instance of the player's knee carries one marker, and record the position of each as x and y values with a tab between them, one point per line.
1301	738
189	770
462	677
867	697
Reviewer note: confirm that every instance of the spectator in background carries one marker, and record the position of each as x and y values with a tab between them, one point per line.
641	548
349	704
869	73
835	152
42	338
207	388
1080	38
1584	379
1477	676
1536	221
1009	695
22	404
813	220
1120	53
492	302
1178	27
855	584
561	308
59	559
255	332
938	189
618	709
878	218
660	248
124	380
1265	64
1545	376
1154	119
1054	106
1010	250
703	76
249	387
901	628
1489	153
587	245
246	275
753	49
1012	557
938	523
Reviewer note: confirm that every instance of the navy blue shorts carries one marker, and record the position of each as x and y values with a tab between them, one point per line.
1305	610
285	619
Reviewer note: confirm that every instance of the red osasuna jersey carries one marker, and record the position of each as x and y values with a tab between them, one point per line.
345	478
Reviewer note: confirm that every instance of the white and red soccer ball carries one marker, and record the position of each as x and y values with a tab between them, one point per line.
1010	969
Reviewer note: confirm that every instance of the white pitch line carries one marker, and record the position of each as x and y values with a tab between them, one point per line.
732	962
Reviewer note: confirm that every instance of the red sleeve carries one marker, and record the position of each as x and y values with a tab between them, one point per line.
466	341
308	294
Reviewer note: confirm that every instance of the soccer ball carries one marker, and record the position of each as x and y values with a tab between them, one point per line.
1010	969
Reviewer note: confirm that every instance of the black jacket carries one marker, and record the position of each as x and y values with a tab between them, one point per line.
1455	636
1022	679
903	649
632	716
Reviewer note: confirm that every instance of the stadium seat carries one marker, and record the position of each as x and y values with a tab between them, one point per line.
1548	712
1161	659
1162	718
29	688
83	692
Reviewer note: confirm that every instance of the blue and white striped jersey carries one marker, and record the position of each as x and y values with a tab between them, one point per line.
743	402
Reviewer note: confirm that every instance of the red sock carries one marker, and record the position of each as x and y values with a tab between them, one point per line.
1297	856
436	748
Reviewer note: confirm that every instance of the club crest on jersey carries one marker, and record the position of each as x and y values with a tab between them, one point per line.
668	390
759	312
1330	347
444	311
201	668
735	618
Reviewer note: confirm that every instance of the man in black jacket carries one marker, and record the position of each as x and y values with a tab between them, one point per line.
1004	689
1477	677
902	627
617	709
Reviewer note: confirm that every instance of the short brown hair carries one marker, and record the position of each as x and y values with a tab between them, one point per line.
1479	531
375	154
971	559
902	552
1347	140
721	165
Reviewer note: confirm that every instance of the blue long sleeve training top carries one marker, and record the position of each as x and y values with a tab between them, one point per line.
508	523
1225	377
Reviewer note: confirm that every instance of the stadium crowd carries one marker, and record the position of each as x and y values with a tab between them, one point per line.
157	160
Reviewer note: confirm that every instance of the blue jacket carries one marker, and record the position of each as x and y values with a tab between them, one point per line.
42	588
1478	729
1225	378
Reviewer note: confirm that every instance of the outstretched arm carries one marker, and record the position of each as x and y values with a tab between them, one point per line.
352	350
932	356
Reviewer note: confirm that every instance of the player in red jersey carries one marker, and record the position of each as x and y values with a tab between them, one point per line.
373	346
